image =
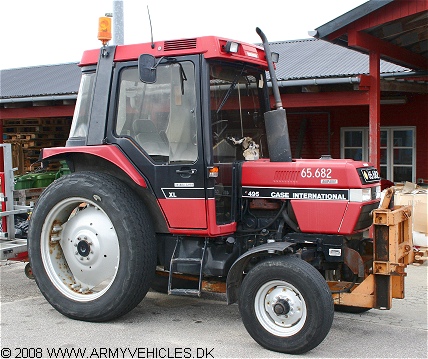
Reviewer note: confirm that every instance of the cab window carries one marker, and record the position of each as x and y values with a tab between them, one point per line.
79	127
160	118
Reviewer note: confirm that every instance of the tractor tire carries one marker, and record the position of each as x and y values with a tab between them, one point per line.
92	247
286	305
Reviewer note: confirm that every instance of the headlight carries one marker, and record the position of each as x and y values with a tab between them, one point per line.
364	194
377	192
231	47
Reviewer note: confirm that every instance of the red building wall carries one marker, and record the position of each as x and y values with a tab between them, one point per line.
311	129
316	137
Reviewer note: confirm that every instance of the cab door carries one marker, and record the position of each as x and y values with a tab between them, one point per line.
158	126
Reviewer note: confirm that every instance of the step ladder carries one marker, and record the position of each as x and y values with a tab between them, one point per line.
176	260
10	247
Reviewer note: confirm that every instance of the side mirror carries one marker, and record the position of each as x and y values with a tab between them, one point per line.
147	68
275	57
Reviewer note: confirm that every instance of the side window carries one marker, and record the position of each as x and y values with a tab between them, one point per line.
79	125
160	117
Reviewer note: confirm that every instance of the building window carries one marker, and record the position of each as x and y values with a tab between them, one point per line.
397	150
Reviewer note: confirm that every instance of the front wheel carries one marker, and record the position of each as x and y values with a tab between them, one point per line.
92	246
286	305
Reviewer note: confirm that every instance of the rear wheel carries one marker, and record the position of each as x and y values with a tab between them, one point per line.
92	247
286	305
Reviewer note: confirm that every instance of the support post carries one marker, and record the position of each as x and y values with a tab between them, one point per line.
118	23
374	109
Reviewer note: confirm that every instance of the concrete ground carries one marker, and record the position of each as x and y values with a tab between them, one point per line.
184	327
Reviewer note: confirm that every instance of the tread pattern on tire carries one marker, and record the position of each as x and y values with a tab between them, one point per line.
314	290
136	238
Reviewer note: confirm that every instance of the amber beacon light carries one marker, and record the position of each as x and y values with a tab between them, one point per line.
104	29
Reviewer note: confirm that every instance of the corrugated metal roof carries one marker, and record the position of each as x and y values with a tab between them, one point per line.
313	58
299	59
40	81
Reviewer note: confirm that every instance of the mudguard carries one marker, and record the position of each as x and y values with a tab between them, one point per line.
234	277
111	153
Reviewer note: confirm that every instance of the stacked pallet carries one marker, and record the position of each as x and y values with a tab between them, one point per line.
29	135
26	197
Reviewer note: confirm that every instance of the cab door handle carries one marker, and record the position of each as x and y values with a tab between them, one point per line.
186	171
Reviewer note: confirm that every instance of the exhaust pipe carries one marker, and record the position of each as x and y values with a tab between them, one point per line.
276	125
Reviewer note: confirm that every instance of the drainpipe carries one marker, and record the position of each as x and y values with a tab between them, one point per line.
309	82
38	98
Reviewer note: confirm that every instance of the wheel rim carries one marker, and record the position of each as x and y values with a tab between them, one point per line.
80	249
280	308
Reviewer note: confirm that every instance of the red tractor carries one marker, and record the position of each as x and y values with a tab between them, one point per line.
182	180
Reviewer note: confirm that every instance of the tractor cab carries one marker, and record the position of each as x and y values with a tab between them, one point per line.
182	118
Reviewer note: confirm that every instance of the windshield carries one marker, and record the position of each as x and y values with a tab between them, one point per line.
236	109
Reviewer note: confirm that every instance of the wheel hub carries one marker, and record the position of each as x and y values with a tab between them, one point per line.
90	248
83	248
86	244
281	307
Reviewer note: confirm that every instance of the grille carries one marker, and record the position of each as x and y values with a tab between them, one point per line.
286	176
179	45
365	220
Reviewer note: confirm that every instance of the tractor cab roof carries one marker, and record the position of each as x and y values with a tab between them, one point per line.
210	46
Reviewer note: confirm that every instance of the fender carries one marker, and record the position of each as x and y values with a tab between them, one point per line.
111	153
234	277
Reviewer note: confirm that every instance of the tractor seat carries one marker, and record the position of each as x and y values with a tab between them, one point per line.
148	137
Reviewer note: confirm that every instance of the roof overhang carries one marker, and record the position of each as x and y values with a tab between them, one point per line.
398	29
